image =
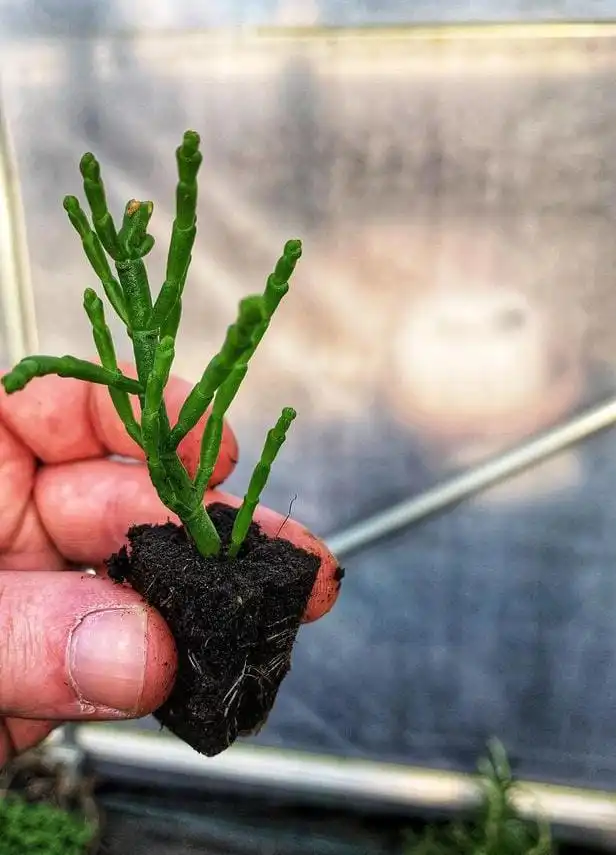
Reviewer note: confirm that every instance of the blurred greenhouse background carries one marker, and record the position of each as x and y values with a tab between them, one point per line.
455	188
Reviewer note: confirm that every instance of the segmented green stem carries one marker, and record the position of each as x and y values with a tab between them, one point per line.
237	341
241	342
135	286
152	404
212	435
97	200
66	366
184	230
276	288
106	351
172	322
202	530
278	281
96	255
273	443
133	236
236	366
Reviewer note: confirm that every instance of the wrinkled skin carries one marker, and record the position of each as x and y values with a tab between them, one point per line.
64	502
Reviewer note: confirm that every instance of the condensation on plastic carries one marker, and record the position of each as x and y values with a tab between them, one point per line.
400	160
457	199
35	17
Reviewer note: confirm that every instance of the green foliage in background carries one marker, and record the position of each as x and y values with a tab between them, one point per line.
152	327
28	828
495	829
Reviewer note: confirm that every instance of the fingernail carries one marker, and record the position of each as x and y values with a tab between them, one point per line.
107	658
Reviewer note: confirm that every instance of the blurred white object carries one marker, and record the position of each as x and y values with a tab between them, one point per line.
481	369
483	366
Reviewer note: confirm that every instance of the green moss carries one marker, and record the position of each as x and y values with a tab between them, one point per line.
28	828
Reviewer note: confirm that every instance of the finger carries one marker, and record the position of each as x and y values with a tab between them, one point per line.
17	468
19	734
51	417
78	647
112	434
31	547
88	507
60	420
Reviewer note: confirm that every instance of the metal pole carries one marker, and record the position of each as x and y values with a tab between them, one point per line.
337	778
16	297
463	486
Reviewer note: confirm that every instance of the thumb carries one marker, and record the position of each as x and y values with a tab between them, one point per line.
76	646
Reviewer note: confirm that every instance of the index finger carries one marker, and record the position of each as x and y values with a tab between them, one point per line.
51	417
61	420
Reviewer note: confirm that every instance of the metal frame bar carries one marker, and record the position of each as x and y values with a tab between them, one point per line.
587	814
454	491
391	47
16	293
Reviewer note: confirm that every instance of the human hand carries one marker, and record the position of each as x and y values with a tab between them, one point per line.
76	646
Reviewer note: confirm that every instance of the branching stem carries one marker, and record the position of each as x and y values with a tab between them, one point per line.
152	327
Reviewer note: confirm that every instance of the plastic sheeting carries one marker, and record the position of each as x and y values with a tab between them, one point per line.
34	17
457	202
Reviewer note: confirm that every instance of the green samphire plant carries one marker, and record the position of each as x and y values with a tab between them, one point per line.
152	326
496	828
232	596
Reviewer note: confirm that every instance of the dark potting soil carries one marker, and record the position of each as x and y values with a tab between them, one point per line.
234	622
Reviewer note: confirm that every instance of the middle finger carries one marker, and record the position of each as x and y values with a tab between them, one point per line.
17	469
